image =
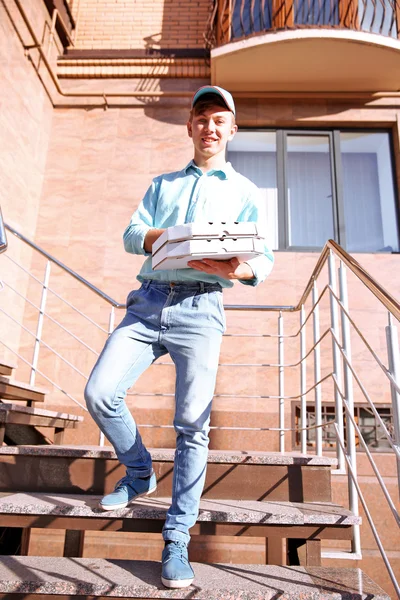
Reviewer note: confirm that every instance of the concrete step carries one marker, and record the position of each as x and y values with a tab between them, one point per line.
6	368
167	455
61	578
11	389
13	435
243	475
7	409
14	416
149	508
303	524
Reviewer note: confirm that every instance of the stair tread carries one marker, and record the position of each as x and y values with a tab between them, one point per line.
41	412
141	579
20	385
221	511
167	455
6	367
7	363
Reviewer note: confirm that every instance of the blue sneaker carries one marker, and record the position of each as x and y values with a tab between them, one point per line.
176	569
127	490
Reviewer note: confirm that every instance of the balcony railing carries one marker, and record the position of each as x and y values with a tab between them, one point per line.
231	20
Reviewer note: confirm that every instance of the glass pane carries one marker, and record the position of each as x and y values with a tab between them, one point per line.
250	17
316	12
378	17
253	154
368	193
310	210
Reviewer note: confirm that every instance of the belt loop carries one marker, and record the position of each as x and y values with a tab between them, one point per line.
146	283
201	286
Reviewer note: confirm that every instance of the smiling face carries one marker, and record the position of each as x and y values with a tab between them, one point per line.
211	128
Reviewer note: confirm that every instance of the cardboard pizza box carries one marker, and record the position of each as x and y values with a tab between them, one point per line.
176	255
207	231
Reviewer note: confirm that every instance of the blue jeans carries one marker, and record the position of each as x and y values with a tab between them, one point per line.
187	321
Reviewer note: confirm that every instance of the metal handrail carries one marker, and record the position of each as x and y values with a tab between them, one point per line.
344	397
374	287
57	262
237	20
368	514
377	290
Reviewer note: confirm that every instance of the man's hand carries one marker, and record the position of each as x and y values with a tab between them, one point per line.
227	269
151	236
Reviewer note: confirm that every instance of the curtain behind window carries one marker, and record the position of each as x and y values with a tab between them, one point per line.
310	210
260	168
362	206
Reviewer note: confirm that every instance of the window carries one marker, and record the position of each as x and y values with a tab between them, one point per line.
254	154
322	184
370	429
316	12
378	18
250	17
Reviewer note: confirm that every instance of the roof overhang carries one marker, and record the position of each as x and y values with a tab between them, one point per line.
320	60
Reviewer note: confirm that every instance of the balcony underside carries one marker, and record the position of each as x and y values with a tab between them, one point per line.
309	60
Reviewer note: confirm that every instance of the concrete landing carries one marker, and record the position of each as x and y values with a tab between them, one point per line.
167	455
221	511
88	577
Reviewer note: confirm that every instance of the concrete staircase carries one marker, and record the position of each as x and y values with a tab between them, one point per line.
19	423
65	578
285	499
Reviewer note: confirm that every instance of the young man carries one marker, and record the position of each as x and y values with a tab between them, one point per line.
179	312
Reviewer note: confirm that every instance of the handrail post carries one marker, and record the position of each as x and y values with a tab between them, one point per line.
348	394
111	324
281	355
303	381
336	359
224	22
3	236
392	343
111	321
39	328
317	371
52	31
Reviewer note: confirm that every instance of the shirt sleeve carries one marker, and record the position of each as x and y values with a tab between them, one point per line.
254	211
142	221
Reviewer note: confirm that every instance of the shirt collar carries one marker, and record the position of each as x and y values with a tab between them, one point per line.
223	173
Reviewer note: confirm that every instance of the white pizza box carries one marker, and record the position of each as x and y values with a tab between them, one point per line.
176	255
206	230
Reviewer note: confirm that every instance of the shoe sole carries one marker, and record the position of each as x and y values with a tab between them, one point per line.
124	504
176	583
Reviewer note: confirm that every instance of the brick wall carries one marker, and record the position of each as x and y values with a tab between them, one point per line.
25	123
122	24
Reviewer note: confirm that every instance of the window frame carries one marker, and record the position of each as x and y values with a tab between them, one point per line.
336	169
330	407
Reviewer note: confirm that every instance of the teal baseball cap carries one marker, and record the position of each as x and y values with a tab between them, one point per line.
214	89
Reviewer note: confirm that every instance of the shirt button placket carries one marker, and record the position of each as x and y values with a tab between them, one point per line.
195	201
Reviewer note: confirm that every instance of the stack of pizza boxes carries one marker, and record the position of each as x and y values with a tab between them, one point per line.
195	241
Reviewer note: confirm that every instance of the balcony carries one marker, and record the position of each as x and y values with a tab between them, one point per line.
305	45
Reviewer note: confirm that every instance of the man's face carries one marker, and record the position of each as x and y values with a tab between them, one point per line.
211	130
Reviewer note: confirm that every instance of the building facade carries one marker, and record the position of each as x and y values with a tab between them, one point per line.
95	100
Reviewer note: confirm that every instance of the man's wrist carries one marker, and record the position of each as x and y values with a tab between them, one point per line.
244	271
151	236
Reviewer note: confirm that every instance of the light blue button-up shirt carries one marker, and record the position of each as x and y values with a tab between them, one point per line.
190	196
